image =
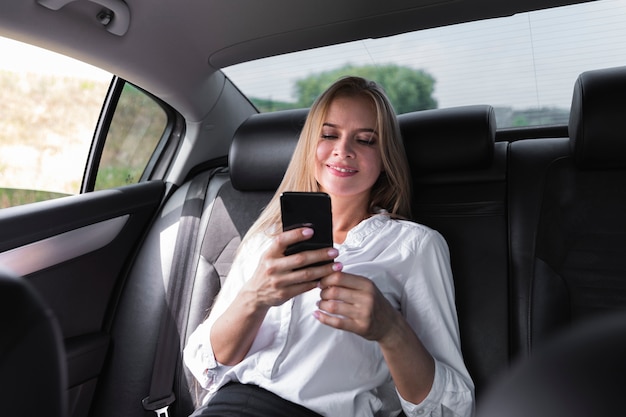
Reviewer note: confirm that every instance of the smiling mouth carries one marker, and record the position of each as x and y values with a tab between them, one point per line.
342	170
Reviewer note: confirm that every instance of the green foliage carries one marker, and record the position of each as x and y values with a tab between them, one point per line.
115	176
268	105
138	125
408	89
543	116
35	107
10	197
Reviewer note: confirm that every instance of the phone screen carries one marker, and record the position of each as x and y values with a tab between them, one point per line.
300	209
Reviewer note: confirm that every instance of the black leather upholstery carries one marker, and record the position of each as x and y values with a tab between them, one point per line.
262	148
597	125
33	374
536	242
567	223
579	373
452	139
442	140
459	180
459	176
528	165
536	230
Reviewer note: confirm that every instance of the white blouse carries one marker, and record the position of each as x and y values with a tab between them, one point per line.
335	372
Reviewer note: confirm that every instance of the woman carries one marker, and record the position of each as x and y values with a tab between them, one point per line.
372	333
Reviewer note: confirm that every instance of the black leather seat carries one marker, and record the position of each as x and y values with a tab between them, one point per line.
578	373
459	189
259	154
459	177
568	228
33	374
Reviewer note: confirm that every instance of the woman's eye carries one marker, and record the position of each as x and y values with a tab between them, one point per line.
326	136
366	141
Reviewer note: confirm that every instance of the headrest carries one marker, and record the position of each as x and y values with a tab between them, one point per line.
451	139
262	148
597	124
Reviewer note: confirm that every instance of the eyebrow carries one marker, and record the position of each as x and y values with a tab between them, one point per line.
364	129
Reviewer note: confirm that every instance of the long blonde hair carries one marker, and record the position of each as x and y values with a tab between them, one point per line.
392	189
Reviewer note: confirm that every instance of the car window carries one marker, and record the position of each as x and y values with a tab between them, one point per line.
50	106
524	65
137	127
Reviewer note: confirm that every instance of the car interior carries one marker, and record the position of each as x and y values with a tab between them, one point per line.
100	290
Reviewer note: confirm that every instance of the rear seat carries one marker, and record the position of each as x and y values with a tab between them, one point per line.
464	198
567	215
259	155
260	152
568	246
494	203
459	189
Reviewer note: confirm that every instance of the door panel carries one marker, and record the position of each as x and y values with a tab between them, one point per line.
74	251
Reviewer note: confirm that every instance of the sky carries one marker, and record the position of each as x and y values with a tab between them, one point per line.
526	60
20	57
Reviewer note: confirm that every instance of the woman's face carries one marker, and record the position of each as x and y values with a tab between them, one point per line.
348	160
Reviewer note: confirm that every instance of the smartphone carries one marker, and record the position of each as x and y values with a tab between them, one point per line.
308	209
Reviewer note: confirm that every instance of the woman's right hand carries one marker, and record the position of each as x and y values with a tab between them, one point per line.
279	278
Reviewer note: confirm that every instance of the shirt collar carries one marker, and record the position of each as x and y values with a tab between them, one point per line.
358	233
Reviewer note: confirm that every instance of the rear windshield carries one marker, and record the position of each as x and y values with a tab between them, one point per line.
524	65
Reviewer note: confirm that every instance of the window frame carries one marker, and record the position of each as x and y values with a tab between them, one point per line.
163	152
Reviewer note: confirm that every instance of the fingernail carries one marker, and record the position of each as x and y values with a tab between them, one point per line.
316	314
337	266
307	231
333	253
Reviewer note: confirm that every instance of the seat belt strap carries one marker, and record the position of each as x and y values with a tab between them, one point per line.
161	394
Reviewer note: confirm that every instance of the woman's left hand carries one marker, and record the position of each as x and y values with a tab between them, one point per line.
354	303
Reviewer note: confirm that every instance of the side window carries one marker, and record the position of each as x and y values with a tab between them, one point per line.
49	108
137	126
48	116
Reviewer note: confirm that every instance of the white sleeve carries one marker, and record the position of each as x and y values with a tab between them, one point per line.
429	308
198	354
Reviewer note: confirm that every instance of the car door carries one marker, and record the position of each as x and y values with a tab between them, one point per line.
75	249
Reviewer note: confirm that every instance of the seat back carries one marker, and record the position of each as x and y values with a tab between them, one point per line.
578	373
459	189
33	373
260	152
568	229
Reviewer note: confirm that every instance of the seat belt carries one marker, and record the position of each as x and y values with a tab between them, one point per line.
161	394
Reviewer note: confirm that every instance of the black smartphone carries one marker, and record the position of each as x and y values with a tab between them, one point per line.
310	209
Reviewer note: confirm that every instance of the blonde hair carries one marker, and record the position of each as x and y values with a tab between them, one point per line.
392	189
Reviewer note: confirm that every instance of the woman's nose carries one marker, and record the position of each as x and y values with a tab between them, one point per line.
343	148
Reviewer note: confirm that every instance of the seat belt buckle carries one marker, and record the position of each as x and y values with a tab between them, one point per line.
160	407
163	412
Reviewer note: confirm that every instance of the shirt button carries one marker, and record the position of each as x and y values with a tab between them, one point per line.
420	412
